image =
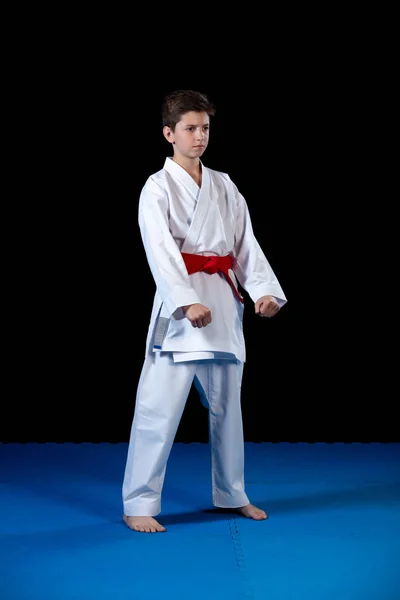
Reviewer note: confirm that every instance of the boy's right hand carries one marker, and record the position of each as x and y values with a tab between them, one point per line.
198	314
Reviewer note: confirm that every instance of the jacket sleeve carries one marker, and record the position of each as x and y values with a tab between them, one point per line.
163	255
252	268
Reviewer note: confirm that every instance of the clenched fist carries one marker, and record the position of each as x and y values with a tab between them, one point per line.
266	306
198	314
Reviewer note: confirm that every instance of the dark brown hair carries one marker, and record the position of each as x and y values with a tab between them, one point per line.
181	102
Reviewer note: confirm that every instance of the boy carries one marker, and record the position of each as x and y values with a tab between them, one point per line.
199	243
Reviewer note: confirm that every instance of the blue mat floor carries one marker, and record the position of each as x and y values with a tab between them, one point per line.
333	531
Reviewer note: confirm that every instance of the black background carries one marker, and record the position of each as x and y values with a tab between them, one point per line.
286	131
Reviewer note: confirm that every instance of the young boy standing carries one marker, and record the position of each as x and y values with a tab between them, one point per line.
199	242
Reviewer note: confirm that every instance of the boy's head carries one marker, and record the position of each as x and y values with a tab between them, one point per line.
186	123
181	102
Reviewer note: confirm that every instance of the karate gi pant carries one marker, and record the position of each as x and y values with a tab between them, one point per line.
162	392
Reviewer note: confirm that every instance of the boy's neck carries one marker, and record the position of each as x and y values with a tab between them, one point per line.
192	167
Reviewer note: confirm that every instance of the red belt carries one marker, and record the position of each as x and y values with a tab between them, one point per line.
211	264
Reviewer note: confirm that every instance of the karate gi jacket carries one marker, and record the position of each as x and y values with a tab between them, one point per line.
175	216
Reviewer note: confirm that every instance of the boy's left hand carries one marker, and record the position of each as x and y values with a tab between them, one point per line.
266	306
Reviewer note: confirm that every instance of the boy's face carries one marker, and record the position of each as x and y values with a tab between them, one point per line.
191	134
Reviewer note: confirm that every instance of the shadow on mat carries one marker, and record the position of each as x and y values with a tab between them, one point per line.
200	516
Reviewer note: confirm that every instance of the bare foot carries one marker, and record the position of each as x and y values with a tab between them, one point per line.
252	512
143	524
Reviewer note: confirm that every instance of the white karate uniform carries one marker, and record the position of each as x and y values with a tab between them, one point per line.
175	216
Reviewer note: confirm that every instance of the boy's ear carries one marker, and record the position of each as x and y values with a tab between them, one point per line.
168	134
